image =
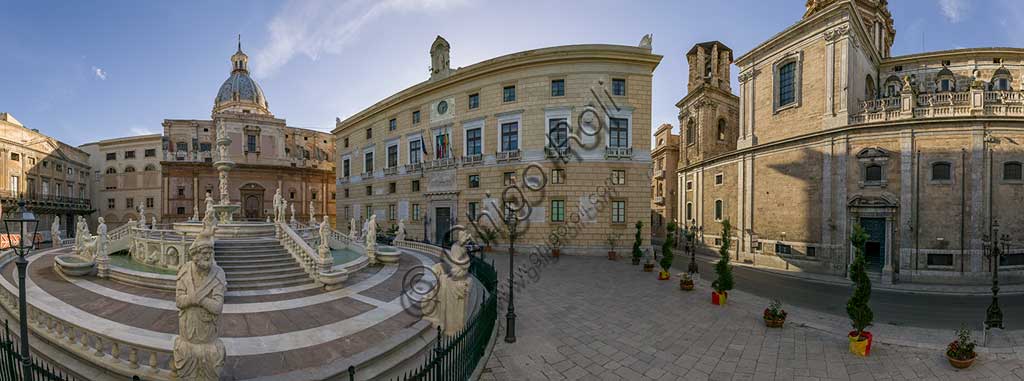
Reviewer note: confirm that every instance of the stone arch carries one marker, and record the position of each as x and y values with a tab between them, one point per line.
869	87
111	170
172	256
150	167
129	169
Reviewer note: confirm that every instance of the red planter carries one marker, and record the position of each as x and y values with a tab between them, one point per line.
663	275
612	256
860	346
556	252
718	299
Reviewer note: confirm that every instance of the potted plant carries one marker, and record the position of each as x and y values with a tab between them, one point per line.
685	282
961	351
774	315
857	307
612	239
556	245
666	252
723	283
489	236
637	253
649	263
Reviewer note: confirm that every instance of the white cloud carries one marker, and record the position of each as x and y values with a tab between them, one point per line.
953	9
314	28
141	131
102	75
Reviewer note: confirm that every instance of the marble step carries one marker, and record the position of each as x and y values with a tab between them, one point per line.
246	266
267	250
247	280
253	261
220	256
246	273
268	285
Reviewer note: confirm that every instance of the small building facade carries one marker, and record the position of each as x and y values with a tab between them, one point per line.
126	175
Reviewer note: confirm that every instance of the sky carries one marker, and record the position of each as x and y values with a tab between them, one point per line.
82	71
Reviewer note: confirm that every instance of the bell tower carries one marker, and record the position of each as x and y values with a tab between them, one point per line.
709	113
709	66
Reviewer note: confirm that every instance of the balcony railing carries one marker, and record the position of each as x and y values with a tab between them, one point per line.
366	175
414	167
659	200
36	199
974	102
659	173
473	159
390	171
553	152
618	152
439	164
509	155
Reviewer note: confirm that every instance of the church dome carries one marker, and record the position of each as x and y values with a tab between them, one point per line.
240	92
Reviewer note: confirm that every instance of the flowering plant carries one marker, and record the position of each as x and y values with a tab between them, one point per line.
774	311
963	347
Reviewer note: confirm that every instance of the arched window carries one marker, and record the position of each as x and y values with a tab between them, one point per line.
111	170
787	84
150	167
689	211
689	132
873	173
869	88
721	129
893	85
942	171
1012	170
129	169
1001	79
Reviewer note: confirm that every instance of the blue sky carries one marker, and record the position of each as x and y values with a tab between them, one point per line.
83	71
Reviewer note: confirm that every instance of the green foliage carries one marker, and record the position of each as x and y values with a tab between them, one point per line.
637	253
666	248
489	236
613	239
774	310
723	269
857	307
963	347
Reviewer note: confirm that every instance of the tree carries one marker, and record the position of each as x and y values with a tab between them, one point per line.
723	269
637	253
666	248
857	307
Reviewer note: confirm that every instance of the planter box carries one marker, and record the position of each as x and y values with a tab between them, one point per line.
648	267
860	346
718	298
685	286
612	256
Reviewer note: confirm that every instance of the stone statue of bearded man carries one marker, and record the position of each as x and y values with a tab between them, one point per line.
199	295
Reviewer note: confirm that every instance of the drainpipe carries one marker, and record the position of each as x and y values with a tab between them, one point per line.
963	201
917	212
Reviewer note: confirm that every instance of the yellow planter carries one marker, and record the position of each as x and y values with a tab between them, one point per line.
860	346
718	298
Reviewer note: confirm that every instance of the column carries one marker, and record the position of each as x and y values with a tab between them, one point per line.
908	181
978	223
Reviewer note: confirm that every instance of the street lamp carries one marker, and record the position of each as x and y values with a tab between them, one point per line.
23	222
512	221
994	315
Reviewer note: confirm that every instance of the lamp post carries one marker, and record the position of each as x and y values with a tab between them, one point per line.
512	221
23	222
994	314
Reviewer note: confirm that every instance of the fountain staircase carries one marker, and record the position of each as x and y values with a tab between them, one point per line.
258	264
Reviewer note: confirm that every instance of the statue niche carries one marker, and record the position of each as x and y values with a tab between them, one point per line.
439	64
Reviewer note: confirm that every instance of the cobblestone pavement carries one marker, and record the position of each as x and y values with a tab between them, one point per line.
587	318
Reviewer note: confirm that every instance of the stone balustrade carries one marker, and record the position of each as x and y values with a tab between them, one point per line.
971	103
420	246
303	253
164	248
125	358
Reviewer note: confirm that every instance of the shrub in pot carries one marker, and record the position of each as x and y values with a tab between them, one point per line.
666	252
857	307
960	352
489	236
649	263
774	315
556	245
637	253
685	282
612	239
723	270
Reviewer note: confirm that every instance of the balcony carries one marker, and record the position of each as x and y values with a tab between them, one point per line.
557	152
659	200
344	180
414	167
472	160
41	203
366	175
659	174
391	171
974	102
618	152
506	156
439	164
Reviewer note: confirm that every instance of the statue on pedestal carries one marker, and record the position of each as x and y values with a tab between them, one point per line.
142	217
400	233
55	231
371	238
445	305
312	213
81	230
195	212
292	206
352	229
152	224
199	295
100	254
325	236
277	205
209	216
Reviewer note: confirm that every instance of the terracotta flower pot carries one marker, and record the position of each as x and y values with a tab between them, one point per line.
556	252
771	322
718	298
636	261
648	267
686	285
612	256
961	364
663	275
860	346
487	249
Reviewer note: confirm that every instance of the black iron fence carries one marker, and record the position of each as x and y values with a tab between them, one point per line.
11	368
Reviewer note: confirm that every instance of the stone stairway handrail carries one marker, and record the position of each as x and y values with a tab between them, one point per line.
303	253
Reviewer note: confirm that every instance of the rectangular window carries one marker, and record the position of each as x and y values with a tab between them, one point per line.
392	156
46	188
369	211
509	136
346	193
719	210
392	187
509	178
618	177
689	185
181	191
312	195
368	162
414	151
149	202
369	190
369	133
129	203
474	181
203	147
150	152
557	210
558	176
111	156
110	203
392	124
781	248
472	211
787	84
16	157
473	142
618	132
181	146
345	168
558	87
250	143
474	101
415	185
441	144
508	94
129	154
618	212
618	86
945	84
689	211
415	212
558	133
14	184
180	210
392	212
416	117
719	179
346	142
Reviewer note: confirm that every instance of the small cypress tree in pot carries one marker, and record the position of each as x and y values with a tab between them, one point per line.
666	251
637	253
723	269
857	307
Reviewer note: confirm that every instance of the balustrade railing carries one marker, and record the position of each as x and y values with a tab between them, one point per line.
942	105
303	253
618	152
508	155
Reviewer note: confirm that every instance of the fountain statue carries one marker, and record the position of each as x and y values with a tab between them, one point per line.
209	217
55	231
325	240
195	212
100	254
278	200
152	224
199	295
371	238
352	229
292	206
312	213
142	217
445	304
225	209
400	233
